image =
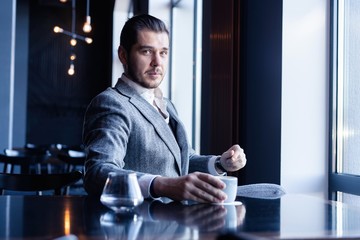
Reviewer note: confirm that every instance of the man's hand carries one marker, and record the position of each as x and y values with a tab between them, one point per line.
233	159
197	186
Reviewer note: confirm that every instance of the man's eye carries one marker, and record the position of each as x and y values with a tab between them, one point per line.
147	52
164	53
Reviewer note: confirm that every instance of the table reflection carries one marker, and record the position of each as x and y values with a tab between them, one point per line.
171	220
121	225
84	217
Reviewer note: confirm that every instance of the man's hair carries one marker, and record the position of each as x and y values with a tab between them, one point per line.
128	36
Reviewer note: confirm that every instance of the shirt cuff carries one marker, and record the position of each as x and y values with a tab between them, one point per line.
211	166
145	184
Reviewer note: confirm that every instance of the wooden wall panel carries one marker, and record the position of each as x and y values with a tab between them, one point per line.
220	77
241	85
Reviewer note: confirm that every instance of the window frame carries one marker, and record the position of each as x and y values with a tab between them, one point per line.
338	182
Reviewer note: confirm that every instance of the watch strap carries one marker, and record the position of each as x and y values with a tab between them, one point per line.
218	165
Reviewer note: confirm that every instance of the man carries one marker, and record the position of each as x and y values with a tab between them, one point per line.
131	127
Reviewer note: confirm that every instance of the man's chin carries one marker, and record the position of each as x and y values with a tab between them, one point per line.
152	83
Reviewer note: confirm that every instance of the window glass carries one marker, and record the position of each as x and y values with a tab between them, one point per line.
349	85
349	199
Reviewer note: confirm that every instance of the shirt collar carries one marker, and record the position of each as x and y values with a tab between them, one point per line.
147	94
153	96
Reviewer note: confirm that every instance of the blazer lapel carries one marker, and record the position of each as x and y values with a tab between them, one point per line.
155	118
178	128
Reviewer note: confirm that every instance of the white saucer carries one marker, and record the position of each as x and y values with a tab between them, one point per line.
235	203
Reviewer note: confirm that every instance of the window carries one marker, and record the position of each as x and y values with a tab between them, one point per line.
344	176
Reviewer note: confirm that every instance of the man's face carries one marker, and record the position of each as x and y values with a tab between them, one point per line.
148	59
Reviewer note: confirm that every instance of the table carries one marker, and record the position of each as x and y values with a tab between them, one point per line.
84	217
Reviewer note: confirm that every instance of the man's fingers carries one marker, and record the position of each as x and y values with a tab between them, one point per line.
228	154
207	188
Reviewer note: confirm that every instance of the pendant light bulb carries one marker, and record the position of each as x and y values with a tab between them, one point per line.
88	40
72	57
73	42
58	29
71	70
87	25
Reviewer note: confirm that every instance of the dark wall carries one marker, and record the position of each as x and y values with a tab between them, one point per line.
241	95
56	101
261	68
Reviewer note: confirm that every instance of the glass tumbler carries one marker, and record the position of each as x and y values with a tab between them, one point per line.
121	192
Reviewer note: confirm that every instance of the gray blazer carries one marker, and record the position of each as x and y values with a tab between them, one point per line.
123	132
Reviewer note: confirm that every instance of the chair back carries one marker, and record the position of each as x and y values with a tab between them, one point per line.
72	158
23	159
36	149
38	182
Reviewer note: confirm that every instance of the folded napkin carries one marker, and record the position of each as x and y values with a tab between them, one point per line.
261	190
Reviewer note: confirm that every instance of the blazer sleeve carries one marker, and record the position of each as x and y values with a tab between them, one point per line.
105	136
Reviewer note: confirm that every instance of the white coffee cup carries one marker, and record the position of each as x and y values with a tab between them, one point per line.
231	187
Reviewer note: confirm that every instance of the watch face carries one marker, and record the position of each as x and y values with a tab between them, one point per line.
219	166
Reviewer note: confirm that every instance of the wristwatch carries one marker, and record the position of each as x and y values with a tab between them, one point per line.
218	166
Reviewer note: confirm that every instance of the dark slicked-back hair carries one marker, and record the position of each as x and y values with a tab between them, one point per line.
128	36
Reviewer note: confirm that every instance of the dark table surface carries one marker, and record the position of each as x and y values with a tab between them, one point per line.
84	217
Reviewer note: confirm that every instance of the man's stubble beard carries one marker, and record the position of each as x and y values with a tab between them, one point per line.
144	84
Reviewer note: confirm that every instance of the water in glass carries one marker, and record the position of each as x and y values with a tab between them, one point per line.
121	192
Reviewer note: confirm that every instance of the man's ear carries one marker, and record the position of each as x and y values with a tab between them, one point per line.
122	55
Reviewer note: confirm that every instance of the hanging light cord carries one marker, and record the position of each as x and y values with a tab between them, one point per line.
87	7
73	17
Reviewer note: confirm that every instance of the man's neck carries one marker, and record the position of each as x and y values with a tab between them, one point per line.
138	88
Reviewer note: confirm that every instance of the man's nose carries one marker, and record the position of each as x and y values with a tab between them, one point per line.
156	60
